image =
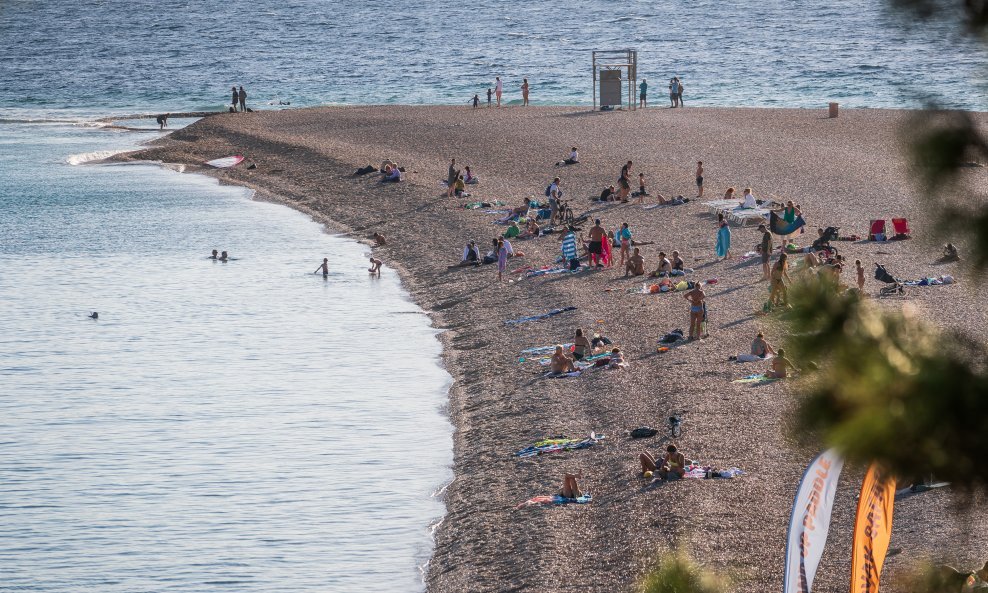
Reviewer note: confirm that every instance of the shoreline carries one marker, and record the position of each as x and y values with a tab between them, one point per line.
305	158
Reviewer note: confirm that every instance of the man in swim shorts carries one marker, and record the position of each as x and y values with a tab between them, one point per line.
643	91
635	265
699	179
696	297
596	248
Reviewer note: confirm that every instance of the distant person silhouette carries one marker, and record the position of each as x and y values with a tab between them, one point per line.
162	120
236	99
94	315
324	267
242	95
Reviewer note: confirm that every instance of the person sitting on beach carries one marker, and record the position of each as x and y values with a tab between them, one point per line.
471	255
574	158
580	345
635	265
672	464
392	174
950	253
379	239
162	121
532	231
561	362
375	269
513	231
496	245
599	342
571	489
224	256
664	268
780	365
468	177
760	350
215	255
459	188
729	194
609	194
324	267
749	199
678	265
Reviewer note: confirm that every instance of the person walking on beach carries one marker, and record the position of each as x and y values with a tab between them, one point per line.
624	236
235	100
242	95
673	92
524	93
595	248
324	267
766	250
642	93
498	89
699	179
697	299
679	92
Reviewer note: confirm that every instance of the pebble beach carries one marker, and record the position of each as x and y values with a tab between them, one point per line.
843	172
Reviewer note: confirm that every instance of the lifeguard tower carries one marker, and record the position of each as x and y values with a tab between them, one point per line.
614	72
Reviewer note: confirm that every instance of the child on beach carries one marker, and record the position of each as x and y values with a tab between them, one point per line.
375	269
699	179
642	192
489	93
624	236
861	274
324	267
475	101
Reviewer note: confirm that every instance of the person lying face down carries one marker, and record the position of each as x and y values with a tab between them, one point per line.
635	265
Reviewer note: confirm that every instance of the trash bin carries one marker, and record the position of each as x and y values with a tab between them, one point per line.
833	110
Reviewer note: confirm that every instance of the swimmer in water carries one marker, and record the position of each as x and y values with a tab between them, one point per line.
215	255
94	315
224	256
375	268
324	268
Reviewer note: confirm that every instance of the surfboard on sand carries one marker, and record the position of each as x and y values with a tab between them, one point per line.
226	162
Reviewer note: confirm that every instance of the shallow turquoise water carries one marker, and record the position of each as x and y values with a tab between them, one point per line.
245	426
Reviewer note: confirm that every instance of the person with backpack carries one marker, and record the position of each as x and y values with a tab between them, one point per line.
554	194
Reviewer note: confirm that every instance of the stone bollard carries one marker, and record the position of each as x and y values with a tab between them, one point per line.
833	110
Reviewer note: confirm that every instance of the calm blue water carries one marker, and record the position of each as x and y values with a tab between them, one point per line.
234	427
170	55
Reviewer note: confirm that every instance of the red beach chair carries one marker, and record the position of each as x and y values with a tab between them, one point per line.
877	232
901	227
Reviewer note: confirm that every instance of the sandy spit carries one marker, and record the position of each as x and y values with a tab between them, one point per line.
842	171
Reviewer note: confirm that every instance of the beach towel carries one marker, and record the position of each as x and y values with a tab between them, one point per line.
554	500
696	471
539	317
780	227
545	272
759	379
552	375
723	240
543	349
561	443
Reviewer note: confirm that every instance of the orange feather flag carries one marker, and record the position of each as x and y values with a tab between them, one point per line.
872	530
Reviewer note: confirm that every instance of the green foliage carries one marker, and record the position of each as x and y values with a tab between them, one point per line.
889	387
676	572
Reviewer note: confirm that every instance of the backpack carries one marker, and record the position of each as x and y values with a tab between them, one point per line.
643	432
548	190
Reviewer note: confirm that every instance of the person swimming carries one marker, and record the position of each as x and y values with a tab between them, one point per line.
94	315
224	257
215	255
324	267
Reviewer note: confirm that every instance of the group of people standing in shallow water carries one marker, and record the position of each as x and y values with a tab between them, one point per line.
495	93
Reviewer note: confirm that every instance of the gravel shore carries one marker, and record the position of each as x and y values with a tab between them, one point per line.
842	171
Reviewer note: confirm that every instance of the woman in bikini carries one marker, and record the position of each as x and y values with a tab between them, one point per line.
780	273
581	345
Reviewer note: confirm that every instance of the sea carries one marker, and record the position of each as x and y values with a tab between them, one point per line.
250	426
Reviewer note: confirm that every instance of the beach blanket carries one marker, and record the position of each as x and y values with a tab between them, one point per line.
478	205
543	350
552	375
554	500
930	281
539	317
561	443
545	272
780	227
759	379
703	472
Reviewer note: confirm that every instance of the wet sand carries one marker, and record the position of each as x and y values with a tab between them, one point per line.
842	171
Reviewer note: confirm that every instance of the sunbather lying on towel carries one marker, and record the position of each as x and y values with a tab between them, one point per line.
673	464
561	362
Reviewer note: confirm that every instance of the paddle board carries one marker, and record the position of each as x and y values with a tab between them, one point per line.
226	162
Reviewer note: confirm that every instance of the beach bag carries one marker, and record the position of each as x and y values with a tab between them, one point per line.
643	433
547	190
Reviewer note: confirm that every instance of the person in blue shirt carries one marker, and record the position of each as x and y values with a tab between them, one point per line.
643	91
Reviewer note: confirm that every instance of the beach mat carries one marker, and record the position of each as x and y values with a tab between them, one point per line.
554	500
539	317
